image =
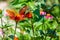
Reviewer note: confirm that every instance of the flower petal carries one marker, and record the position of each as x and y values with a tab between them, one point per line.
11	13
22	11
29	15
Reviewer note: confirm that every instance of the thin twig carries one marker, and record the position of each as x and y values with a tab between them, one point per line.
44	26
15	30
32	29
2	28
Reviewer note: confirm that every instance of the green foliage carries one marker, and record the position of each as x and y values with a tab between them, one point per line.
0	13
38	27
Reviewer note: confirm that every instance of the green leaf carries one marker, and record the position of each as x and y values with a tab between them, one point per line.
7	25
0	11
31	5
14	2
11	36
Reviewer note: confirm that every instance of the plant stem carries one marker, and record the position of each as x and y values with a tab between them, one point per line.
43	23
7	28
32	29
51	38
15	30
2	28
43	27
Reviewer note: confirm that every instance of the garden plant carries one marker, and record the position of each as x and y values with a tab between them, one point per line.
30	20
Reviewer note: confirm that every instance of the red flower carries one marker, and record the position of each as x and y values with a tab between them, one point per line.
29	15
22	11
42	13
14	16
18	17
49	16
15	38
11	14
